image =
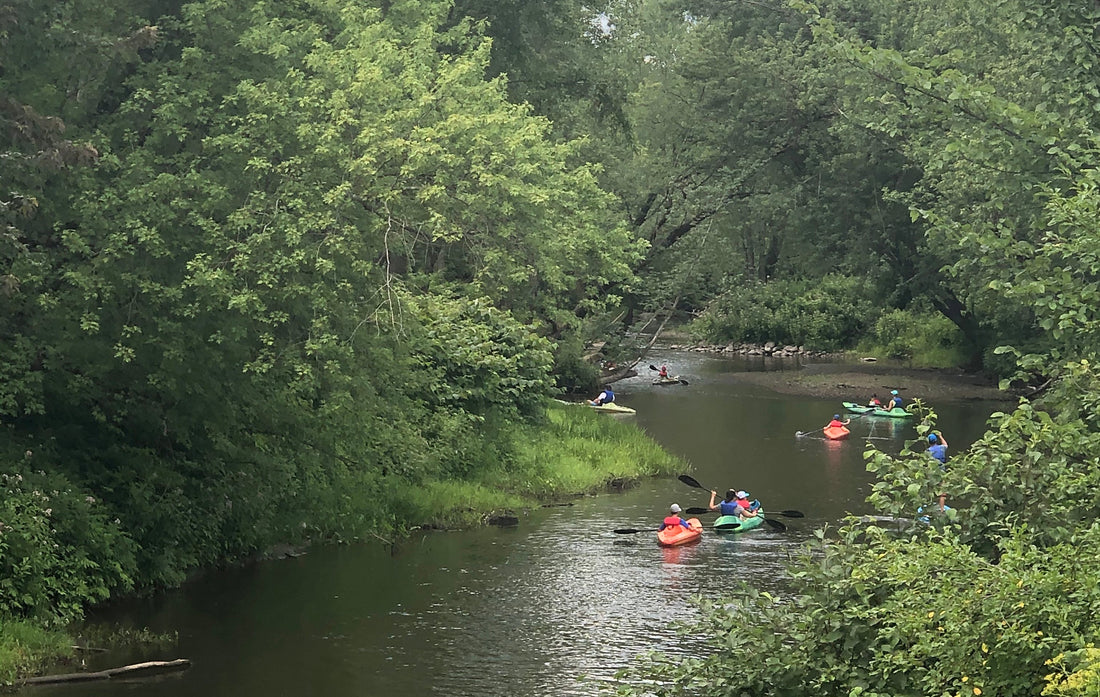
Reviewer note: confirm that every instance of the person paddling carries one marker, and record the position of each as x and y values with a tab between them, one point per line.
607	396
837	423
663	372
895	401
727	506
674	518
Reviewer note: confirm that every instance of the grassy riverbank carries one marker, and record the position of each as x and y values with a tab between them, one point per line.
576	451
572	451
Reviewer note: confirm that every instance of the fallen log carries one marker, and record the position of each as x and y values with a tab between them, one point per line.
136	669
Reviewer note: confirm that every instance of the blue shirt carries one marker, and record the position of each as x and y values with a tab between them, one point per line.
938	451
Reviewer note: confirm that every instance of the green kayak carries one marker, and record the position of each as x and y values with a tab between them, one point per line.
856	408
895	413
746	524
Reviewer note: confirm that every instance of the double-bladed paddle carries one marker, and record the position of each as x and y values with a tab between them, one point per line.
787	513
691	481
682	381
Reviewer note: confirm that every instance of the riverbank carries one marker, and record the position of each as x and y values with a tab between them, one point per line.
570	452
858	381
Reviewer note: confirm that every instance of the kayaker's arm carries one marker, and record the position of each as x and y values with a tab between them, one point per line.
712	505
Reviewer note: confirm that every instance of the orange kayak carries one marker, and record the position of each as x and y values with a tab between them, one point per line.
835	432
679	535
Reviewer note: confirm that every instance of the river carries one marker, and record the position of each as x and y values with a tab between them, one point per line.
554	606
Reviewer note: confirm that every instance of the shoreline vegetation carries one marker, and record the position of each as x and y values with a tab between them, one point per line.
570	454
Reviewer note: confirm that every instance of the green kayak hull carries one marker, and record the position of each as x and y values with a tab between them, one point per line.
856	408
894	413
746	524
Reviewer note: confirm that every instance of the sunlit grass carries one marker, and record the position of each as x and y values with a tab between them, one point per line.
26	649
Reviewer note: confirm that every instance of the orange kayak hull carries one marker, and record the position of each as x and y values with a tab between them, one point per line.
835	432
679	535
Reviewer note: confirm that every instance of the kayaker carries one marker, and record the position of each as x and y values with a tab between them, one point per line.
747	509
674	518
607	396
727	506
875	402
837	423
663	372
895	401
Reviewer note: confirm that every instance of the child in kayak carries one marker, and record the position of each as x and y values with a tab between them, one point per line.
837	423
875	402
674	518
746	508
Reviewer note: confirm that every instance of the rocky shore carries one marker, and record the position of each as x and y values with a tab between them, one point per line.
832	376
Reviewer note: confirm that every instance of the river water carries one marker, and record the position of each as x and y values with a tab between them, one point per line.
555	606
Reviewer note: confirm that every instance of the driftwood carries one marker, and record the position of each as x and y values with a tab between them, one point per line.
137	669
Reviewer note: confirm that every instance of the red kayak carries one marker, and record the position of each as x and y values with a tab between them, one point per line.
677	535
835	432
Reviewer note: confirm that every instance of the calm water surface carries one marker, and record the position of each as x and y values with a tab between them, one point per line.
553	607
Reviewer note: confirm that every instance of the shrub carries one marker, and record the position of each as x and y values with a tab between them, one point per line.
58	550
828	314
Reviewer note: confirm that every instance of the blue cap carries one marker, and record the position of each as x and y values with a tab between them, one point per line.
932	438
893	391
836	416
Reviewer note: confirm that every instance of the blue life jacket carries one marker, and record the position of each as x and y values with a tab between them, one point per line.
729	508
609	395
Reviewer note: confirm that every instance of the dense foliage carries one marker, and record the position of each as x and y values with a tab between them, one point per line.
267	268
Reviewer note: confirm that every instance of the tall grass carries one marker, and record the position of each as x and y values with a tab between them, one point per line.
573	452
26	648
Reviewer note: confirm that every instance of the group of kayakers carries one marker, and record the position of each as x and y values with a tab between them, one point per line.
607	395
937	444
735	503
896	402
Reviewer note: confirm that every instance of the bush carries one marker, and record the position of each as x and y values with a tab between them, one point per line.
828	314
58	550
926	338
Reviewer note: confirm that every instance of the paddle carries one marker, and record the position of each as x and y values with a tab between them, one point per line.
682	381
799	434
789	513
690	481
631	531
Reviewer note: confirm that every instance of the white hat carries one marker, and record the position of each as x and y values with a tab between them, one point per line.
742	494
674	508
